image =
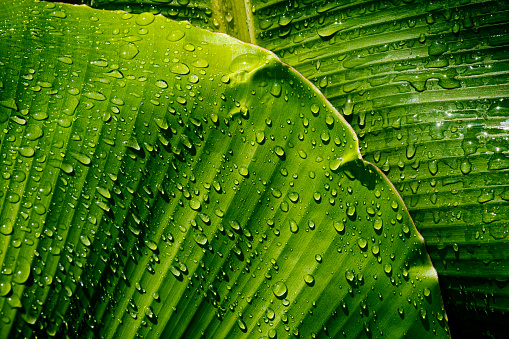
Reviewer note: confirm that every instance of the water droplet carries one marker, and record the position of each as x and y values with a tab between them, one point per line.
466	166
350	211
269	313
279	151
433	167
26	152
115	74
161	84
175	271
293	196
180	68
195	204
309	279
5	286
201	239
82	158
260	137
427	292
315	108
388	268
33	132
176	35
330	30
377	224
339	226
85	240
189	47
276	89
349	275
200	63
280	290
242	325
128	51
22	271
294	227
362	242
65	60
245	62
145	19
243	171
318	258
95	96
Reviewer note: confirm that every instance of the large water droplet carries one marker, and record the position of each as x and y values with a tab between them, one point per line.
128	51
145	19
180	68
245	62
176	35
280	290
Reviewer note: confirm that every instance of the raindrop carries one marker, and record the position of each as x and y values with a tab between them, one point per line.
161	84
176	35
243	171
362	242
201	239
180	68
294	227
128	51
280	290
309	279
200	63
145	19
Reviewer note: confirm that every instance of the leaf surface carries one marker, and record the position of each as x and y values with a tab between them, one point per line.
162	180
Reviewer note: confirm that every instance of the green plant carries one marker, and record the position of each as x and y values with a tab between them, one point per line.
162	180
424	85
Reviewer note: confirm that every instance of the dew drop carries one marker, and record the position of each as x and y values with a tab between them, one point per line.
309	279
161	84
362	242
180	68
200	63
145	19
95	96
176	35
339	226
65	60
279	151
245	62
280	290
195	204
243	171
128	51
201	239
294	227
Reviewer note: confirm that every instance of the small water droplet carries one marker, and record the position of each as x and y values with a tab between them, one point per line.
309	279
161	84
362	242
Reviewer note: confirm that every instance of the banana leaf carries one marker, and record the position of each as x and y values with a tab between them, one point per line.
424	84
160	180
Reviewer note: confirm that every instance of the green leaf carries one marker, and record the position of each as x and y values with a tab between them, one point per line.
424	85
162	180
